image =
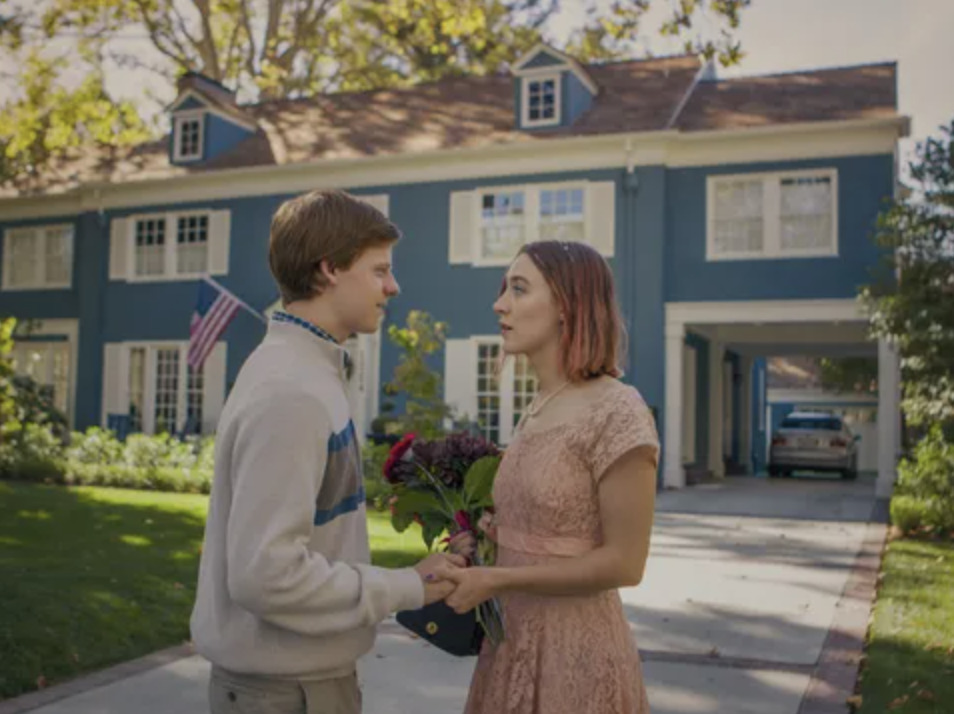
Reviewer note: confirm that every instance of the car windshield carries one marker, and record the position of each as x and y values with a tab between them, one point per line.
809	422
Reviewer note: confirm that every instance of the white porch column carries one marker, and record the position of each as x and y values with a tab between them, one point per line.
674	475
716	408
889	417
745	414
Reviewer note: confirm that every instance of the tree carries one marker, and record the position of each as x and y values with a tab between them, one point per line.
424	408
268	49
849	374
912	304
47	120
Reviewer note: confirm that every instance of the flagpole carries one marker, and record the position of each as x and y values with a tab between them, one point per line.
241	302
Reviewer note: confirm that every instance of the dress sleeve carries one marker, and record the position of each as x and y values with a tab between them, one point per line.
624	423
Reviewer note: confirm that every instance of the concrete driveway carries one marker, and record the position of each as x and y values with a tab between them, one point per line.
744	582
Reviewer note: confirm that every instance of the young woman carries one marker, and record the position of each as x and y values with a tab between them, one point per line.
574	501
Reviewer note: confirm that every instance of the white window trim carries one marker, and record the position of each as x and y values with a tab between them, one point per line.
169	274
40	236
531	209
771	218
180	117
542	76
149	392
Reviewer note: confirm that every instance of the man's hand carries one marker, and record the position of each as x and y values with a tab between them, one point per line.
435	587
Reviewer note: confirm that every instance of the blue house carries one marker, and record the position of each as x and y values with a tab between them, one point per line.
736	214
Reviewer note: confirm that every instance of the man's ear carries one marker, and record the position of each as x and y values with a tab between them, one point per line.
328	271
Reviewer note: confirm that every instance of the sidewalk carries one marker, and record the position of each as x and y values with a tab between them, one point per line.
744	583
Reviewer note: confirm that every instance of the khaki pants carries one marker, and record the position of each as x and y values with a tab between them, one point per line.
231	693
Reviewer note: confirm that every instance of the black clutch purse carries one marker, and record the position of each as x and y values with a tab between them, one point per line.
438	624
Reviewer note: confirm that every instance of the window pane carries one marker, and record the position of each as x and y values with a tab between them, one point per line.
59	256
137	387
502	225
192	244
524	387
194	389
561	215
488	391
541	100
150	246
738	220
167	389
806	213
189	137
24	268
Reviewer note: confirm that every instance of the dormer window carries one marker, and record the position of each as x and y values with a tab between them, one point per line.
188	136
541	100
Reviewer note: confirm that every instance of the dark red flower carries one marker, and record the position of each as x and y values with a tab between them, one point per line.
396	454
463	521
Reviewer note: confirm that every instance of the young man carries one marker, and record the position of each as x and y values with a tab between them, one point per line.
287	600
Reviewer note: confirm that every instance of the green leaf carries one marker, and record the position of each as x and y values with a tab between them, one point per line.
401	521
479	480
418	502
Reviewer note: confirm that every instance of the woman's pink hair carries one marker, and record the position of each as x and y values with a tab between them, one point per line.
593	339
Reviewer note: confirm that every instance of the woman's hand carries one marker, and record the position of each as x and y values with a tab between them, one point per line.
474	586
488	525
464	543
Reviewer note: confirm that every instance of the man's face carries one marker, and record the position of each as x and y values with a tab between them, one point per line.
363	290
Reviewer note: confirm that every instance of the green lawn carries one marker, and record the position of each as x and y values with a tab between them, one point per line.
91	576
910	656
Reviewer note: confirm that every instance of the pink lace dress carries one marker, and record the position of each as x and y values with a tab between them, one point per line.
562	655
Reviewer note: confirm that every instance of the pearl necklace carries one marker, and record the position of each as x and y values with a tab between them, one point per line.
533	408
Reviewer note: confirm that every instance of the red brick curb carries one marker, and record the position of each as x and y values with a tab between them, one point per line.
836	671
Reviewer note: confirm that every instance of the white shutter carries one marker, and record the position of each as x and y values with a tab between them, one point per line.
601	216
119	247
115	380
463	224
380	201
220	238
213	387
460	378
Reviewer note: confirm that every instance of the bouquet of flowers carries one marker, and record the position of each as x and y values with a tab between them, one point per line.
445	485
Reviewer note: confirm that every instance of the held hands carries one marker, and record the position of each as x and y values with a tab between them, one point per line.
469	586
432	571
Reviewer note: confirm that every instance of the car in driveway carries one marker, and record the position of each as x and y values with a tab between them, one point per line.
813	441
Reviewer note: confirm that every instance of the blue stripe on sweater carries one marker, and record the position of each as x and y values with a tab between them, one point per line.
343	439
347	505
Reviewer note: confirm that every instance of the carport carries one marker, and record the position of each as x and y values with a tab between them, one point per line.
710	348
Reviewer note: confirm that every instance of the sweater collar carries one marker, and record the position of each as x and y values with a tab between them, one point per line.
307	333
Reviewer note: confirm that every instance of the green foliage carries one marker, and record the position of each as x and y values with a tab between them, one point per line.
915	311
376	489
271	49
46	120
925	494
849	374
908	513
479	481
414	378
97	458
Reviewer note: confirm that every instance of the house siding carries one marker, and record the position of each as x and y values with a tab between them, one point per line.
863	184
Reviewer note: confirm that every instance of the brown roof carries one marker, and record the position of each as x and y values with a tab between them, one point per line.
634	96
865	92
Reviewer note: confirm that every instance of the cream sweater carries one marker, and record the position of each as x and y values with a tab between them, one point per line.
285	585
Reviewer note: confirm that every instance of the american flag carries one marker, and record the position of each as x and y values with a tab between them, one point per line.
214	310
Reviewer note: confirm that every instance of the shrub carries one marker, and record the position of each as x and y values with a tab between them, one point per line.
927	480
908	513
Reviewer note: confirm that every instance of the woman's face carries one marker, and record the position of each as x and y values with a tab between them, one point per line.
527	310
